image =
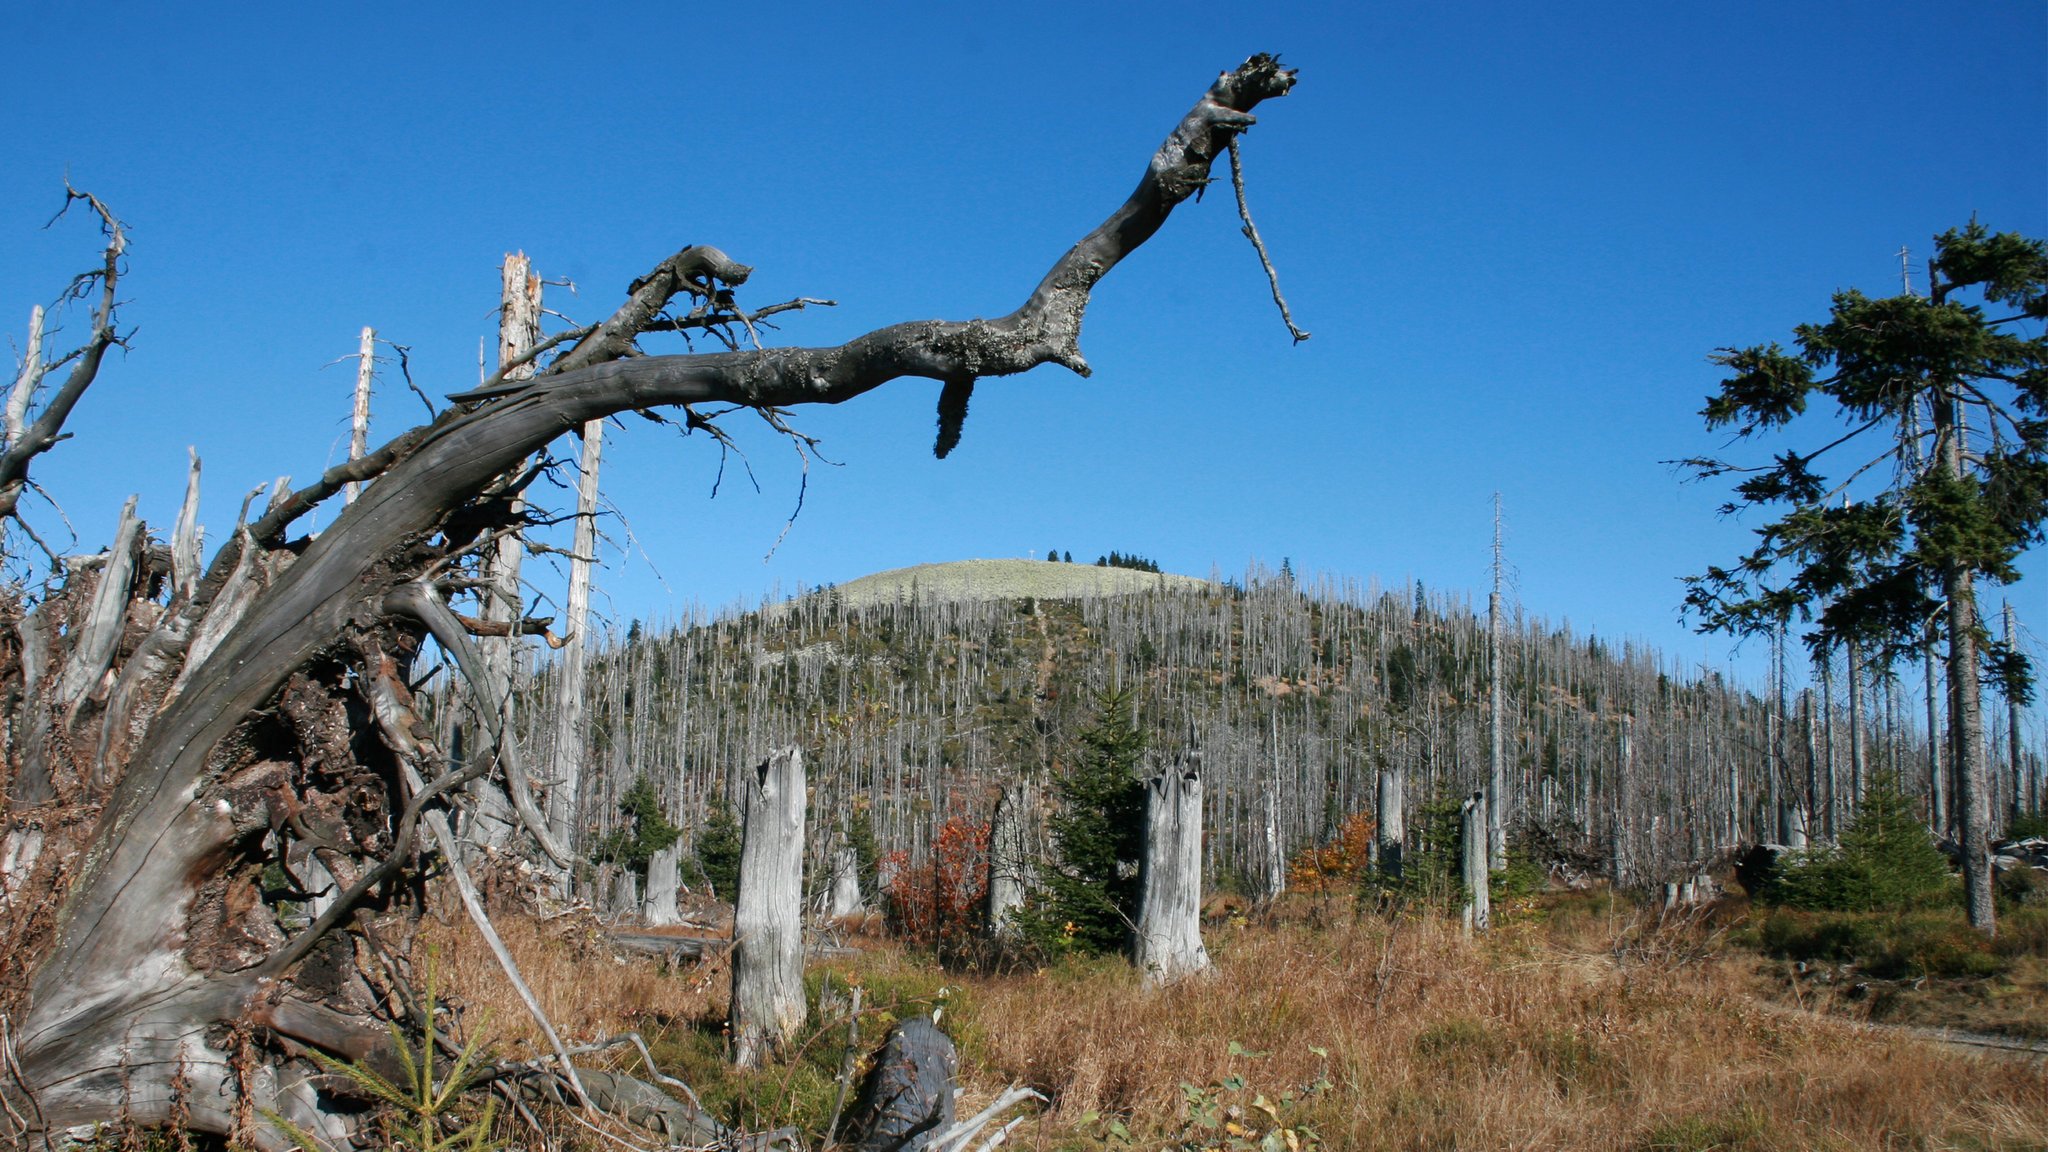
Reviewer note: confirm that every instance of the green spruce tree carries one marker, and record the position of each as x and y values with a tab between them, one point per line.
1088	896
718	851
1937	478
645	830
1886	860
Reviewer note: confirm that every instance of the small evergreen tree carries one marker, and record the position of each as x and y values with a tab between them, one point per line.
646	830
1088	896
718	851
1433	875
1052	554
1886	861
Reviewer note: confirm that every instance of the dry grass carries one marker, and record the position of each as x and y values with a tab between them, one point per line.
1573	1030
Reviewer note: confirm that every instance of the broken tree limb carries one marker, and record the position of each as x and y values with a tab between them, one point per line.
42	434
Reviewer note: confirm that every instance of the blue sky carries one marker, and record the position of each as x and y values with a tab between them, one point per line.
1515	231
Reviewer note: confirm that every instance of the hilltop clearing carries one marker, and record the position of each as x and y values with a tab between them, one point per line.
978	580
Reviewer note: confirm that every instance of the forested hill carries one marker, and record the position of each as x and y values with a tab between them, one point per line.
916	704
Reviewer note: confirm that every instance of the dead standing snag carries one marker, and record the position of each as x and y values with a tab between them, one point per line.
168	986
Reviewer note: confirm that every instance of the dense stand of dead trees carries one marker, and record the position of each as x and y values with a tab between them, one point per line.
1300	696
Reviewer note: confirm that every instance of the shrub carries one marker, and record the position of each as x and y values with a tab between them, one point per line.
1937	943
939	905
1342	862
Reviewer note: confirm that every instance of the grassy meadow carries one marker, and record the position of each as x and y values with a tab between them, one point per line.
1579	1022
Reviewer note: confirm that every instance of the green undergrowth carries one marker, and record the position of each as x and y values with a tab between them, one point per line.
799	1090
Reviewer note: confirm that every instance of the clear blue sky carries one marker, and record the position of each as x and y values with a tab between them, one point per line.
1515	230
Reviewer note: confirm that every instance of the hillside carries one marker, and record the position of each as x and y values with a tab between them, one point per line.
976	580
917	709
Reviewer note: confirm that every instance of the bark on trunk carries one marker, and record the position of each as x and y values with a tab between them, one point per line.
908	1096
1169	936
767	926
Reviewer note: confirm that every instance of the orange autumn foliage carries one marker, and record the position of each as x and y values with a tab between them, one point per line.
1340	862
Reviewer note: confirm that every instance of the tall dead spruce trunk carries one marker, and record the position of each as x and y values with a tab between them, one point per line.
261	714
1170	908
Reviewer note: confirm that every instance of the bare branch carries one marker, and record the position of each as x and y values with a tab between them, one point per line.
40	436
1251	233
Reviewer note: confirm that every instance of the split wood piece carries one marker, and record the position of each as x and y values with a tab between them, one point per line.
767	925
1169	936
93	652
359	412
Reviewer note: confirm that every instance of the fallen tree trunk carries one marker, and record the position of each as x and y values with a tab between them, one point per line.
146	971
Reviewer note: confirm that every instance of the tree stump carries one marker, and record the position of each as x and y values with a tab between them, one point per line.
768	934
1393	828
1170	909
658	909
843	896
1009	860
1474	838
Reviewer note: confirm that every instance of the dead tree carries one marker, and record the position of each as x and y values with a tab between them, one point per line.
1393	830
658	908
767	921
1169	935
1474	836
148	972
1009	859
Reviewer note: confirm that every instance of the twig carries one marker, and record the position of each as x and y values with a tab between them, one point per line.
846	1065
1251	232
955	1138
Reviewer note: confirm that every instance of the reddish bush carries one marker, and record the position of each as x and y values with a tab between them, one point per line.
1342	861
938	902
